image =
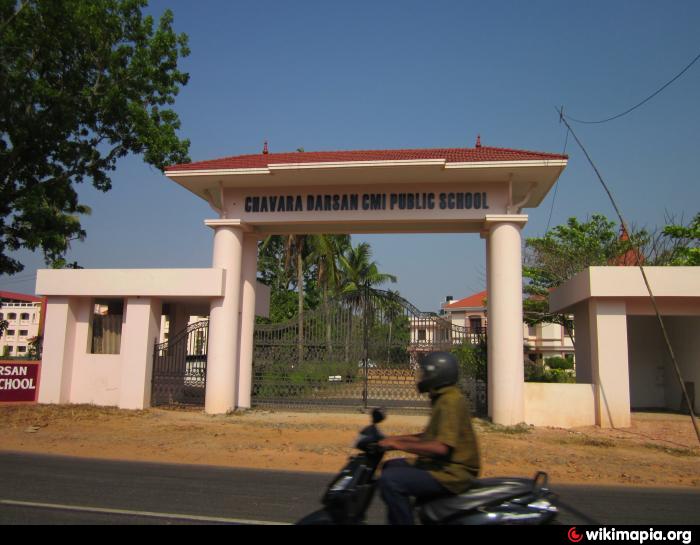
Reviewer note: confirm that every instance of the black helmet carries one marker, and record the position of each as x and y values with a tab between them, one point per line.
438	369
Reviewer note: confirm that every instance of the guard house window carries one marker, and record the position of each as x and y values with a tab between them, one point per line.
106	326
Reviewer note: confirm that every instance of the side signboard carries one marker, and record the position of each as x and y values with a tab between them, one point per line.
19	381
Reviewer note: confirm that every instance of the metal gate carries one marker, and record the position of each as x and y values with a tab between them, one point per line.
356	351
361	350
180	367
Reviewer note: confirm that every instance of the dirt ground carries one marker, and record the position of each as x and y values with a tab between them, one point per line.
659	450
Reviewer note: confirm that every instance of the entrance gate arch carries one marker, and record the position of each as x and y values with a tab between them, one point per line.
462	190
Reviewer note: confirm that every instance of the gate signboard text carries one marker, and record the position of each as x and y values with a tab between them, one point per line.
19	381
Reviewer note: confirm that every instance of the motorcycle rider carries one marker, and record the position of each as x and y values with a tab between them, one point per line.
447	452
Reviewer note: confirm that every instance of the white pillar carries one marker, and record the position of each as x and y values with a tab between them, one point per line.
58	350
247	343
609	363
139	335
505	319
224	323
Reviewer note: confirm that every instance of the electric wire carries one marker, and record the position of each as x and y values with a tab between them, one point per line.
17	280
636	250
556	185
639	104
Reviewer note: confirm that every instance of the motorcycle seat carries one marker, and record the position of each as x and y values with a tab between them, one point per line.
482	492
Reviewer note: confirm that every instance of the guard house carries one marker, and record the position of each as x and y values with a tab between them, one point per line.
481	191
620	348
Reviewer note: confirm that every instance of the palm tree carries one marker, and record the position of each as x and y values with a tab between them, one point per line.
359	272
360	275
295	250
325	253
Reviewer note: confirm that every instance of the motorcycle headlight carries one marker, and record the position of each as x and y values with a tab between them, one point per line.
542	505
342	484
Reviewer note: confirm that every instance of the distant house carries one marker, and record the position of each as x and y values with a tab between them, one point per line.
540	341
24	316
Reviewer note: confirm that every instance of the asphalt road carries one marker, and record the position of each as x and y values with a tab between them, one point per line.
39	489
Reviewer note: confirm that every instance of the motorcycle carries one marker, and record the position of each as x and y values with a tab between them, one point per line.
491	501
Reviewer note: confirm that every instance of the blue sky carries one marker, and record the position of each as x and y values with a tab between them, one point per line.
404	74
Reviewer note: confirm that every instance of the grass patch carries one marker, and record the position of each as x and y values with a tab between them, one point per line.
587	441
518	429
673	451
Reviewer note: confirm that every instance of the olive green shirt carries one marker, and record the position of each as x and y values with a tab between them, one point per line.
451	424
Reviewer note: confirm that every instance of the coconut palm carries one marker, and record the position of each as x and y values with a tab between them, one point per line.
325	253
360	277
295	251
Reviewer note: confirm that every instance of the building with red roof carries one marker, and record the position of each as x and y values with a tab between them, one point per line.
540	341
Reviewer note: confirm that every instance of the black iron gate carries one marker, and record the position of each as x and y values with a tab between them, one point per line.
180	367
361	350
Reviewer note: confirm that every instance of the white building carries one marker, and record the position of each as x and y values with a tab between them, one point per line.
23	314
540	341
621	350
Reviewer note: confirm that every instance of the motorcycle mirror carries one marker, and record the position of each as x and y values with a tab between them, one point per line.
378	415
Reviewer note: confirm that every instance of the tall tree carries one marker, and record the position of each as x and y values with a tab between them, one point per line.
563	252
326	251
293	251
82	84
360	276
359	272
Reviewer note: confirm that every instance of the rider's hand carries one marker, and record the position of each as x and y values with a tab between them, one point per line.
389	443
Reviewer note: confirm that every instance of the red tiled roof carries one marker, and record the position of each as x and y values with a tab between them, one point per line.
451	155
20	297
473	301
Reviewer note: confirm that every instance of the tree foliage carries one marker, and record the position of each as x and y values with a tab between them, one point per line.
331	267
82	84
359	272
564	251
687	251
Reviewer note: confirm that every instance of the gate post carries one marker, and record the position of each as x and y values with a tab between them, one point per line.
224	322
247	329
140	330
505	319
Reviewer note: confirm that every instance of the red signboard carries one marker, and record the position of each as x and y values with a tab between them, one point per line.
19	381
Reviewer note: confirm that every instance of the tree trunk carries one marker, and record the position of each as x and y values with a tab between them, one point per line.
300	288
327	314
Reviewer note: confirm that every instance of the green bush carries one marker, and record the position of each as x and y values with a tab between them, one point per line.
537	372
298	380
559	363
473	361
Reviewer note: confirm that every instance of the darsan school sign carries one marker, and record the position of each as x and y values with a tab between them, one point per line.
18	382
366	208
367	202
